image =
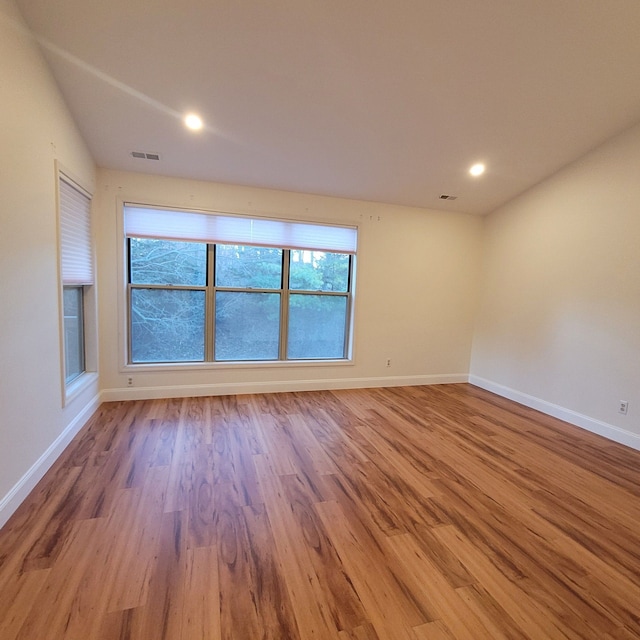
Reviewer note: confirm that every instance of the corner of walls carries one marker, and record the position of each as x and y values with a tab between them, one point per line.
557	324
608	431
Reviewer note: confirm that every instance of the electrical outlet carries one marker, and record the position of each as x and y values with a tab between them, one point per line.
388	362
623	407
130	381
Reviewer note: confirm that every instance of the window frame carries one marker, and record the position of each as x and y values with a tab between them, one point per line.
71	387
216	288
211	288
162	287
81	343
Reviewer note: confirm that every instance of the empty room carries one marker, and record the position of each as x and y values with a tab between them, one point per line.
320	320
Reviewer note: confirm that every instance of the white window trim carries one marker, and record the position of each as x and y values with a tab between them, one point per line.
89	377
124	366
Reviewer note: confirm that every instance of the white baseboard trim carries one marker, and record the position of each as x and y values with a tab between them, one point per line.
239	388
572	417
30	479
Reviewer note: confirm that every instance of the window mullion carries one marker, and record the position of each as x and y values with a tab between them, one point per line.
284	304
320	292
168	287
209	320
349	313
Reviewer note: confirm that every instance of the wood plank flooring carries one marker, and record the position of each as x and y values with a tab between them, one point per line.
418	513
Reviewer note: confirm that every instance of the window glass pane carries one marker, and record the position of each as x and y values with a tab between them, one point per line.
247	326
255	267
317	326
319	271
73	332
167	262
167	325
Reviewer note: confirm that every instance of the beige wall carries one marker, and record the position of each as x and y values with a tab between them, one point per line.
415	298
35	130
559	317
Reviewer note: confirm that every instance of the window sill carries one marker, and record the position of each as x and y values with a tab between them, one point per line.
77	386
214	366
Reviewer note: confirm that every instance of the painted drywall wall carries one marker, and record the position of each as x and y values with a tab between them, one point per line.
415	295
35	131
559	316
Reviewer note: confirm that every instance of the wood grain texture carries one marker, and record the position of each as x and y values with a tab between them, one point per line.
419	513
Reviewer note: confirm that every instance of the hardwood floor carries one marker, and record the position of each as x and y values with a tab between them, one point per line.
419	513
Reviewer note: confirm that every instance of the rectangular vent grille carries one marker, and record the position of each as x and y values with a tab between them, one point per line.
145	156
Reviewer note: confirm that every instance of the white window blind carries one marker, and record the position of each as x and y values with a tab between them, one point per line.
145	222
75	235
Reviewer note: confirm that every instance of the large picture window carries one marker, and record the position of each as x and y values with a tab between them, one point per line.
285	293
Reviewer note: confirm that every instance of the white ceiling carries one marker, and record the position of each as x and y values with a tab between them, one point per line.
368	99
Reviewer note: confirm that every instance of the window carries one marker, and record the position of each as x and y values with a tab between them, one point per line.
318	304
76	260
73	310
167	300
283	291
248	301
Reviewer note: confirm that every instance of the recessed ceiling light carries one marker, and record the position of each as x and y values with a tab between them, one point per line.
193	122
477	169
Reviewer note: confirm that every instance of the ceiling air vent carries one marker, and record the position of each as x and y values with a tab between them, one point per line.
445	196
145	156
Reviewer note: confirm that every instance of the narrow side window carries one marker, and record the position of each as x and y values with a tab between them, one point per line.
76	260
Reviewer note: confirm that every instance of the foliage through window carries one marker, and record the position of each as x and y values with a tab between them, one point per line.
199	302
